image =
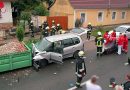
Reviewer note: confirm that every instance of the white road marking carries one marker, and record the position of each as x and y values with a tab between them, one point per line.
73	88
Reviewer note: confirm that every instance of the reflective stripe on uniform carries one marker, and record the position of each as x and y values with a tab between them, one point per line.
99	42
78	75
77	83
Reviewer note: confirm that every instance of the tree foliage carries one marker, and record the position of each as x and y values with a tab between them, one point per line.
40	10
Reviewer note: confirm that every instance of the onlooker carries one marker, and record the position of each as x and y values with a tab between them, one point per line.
120	44
126	85
125	43
91	84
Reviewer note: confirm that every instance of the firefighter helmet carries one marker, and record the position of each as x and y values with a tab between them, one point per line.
99	33
81	53
89	23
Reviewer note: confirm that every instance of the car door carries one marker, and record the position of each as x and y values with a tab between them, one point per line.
68	46
56	57
128	33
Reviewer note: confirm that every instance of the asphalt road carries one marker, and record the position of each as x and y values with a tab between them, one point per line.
62	77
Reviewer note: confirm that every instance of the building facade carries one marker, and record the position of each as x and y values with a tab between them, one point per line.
98	12
6	20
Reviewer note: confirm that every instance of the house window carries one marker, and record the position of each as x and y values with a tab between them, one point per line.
113	15
0	13
123	15
100	16
82	16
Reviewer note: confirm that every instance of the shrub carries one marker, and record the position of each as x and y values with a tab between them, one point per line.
20	33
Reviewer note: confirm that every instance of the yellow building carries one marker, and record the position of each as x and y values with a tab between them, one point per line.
98	12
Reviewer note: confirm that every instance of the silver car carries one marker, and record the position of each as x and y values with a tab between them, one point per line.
122	29
56	48
82	32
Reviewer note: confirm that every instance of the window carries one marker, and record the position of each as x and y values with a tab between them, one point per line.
128	30
0	14
76	40
113	15
82	16
100	16
67	42
123	15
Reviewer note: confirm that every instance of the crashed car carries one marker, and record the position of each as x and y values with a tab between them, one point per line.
55	49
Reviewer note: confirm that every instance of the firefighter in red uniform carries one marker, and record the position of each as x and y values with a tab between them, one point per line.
125	43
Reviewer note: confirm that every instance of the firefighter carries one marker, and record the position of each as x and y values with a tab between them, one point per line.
31	27
89	31
58	27
90	26
99	43
53	23
80	68
125	43
40	30
46	32
53	30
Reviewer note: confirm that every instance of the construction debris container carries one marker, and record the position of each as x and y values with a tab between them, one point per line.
16	60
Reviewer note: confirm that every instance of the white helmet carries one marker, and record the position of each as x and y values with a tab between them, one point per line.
99	33
58	24
47	27
81	53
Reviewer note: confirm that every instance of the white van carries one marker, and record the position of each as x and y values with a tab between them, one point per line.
56	48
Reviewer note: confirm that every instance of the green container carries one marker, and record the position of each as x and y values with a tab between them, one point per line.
16	60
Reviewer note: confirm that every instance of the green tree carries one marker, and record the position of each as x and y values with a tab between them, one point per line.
25	16
40	10
20	33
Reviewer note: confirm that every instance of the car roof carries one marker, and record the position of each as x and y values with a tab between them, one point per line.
60	37
125	26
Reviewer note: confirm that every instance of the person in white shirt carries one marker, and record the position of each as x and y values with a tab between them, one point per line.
91	84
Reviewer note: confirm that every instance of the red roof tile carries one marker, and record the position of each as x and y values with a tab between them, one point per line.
84	4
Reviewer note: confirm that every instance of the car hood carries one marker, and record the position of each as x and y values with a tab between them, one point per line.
80	34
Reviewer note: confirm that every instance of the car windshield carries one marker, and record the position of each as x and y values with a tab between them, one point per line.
121	29
79	31
43	44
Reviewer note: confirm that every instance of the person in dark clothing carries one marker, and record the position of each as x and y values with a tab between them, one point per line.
99	43
88	34
90	26
89	31
31	27
58	28
126	85
80	68
46	32
53	30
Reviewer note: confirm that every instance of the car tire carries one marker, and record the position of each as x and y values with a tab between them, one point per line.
75	55
43	63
